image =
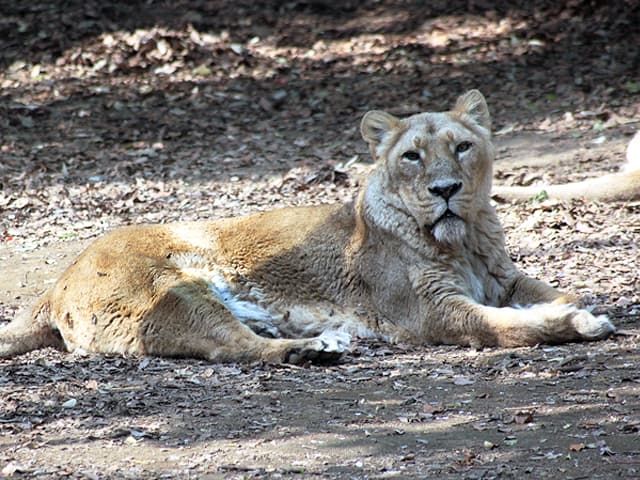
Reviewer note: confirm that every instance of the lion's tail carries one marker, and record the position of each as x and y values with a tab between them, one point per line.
620	186
29	332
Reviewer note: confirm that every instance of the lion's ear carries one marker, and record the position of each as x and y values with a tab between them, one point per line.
375	124
474	105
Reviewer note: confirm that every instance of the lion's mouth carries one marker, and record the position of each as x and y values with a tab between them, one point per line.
446	215
449	228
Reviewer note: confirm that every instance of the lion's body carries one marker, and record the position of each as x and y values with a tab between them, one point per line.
418	257
619	186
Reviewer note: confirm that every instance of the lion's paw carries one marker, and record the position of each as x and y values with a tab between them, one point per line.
326	348
591	327
335	341
566	322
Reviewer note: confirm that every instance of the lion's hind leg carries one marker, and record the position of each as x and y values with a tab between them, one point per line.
241	344
190	321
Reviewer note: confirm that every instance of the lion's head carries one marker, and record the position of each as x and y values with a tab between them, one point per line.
436	167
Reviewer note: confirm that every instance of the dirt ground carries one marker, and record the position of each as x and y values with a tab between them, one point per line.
137	112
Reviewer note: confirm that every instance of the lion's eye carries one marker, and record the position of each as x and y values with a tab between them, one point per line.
411	156
463	147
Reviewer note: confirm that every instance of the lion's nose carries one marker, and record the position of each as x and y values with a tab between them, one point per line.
445	190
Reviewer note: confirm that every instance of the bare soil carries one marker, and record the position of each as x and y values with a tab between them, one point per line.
137	112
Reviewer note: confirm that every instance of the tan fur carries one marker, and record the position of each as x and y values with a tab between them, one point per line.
418	256
621	186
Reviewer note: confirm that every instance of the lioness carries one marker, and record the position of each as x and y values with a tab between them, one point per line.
418	256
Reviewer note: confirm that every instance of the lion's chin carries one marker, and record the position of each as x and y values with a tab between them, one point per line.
449	230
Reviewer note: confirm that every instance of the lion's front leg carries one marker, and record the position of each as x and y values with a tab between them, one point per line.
546	323
463	321
540	300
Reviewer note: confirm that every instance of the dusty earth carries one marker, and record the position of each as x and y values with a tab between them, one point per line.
113	114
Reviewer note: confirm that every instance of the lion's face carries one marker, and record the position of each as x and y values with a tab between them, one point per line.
437	166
